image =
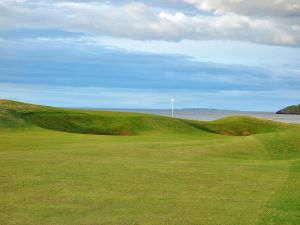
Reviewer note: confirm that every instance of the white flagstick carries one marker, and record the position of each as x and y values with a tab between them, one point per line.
172	100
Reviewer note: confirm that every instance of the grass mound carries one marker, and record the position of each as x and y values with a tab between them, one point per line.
240	126
17	114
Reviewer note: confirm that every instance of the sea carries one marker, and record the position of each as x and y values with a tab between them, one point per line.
213	114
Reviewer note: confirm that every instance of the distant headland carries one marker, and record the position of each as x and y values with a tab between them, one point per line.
293	109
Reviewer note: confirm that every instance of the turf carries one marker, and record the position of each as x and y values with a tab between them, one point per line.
62	166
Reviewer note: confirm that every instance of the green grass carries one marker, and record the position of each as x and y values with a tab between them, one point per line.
62	166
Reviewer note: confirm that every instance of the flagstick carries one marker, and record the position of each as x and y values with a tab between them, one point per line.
172	100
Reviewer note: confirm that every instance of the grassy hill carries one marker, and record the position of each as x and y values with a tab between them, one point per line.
84	121
17	114
64	166
293	109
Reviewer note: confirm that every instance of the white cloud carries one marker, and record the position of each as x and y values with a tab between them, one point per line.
257	8
231	20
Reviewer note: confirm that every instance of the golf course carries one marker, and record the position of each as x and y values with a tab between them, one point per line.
88	167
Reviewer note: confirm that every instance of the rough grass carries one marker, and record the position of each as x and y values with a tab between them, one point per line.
241	126
167	172
14	114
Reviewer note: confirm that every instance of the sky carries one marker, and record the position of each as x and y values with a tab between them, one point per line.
224	54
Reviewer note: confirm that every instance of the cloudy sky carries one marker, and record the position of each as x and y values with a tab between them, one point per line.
230	54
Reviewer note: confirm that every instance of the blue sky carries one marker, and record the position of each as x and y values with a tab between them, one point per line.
209	54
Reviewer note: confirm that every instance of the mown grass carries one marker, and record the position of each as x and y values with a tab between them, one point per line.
163	171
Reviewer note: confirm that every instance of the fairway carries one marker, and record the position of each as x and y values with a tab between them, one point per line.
80	167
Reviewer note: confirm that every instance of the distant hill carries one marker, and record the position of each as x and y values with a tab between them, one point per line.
293	109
